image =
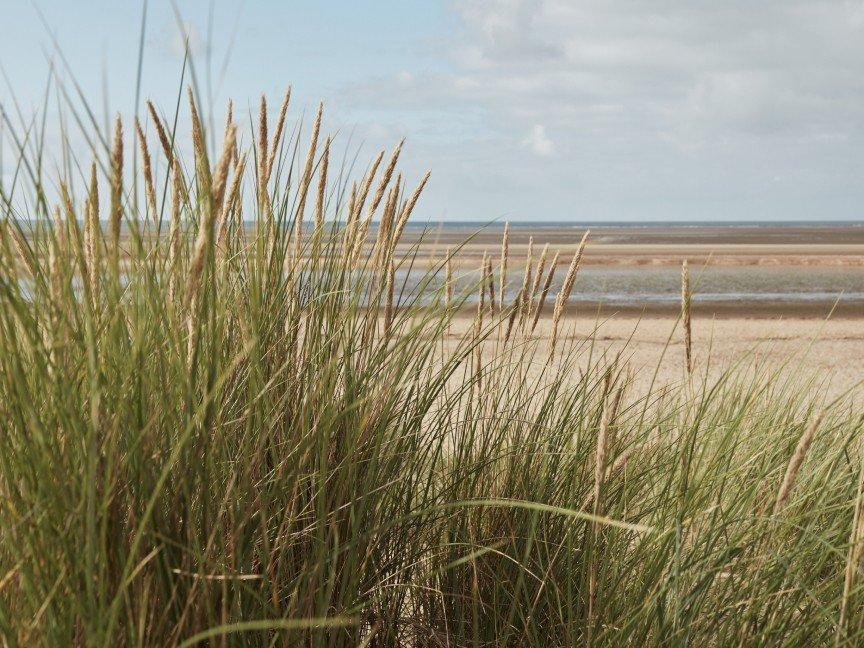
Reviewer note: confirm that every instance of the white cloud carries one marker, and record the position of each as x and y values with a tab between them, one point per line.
404	77
539	142
174	39
662	108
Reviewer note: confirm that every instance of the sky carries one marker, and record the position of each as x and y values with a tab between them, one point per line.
547	110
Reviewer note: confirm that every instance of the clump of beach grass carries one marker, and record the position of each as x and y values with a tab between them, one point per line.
209	437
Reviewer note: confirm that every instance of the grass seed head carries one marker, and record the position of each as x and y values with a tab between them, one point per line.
146	170
306	181
161	133
277	135
199	146
524	291
685	316
538	275
230	202
116	214
322	186
545	293
566	288
795	462
505	257
385	179
405	214
263	142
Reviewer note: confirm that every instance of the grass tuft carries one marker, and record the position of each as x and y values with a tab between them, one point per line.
239	433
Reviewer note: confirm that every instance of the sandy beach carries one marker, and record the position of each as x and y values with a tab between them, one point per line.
828	352
800	335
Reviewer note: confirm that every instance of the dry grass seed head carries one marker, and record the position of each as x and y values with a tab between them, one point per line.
147	170
524	294
385	226
352	202
263	141
306	178
390	283
505	256
448	278
161	133
570	277
54	251
277	135
405	214
538	274
116	189
322	185
545	293
202	165
795	462
685	316
232	197
174	228
566	288
306	181
229	117
490	282
92	234
478	324
220	179
385	179
365	185
356	232
23	251
481	295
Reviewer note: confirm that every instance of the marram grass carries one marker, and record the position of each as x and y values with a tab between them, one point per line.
210	435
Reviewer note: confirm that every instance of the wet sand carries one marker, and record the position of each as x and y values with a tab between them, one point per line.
841	245
751	272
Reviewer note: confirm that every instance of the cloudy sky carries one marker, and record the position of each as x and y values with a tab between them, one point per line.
574	110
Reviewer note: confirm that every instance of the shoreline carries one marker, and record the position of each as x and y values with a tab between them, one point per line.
745	271
656	246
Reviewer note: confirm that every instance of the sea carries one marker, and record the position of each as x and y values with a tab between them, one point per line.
826	287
